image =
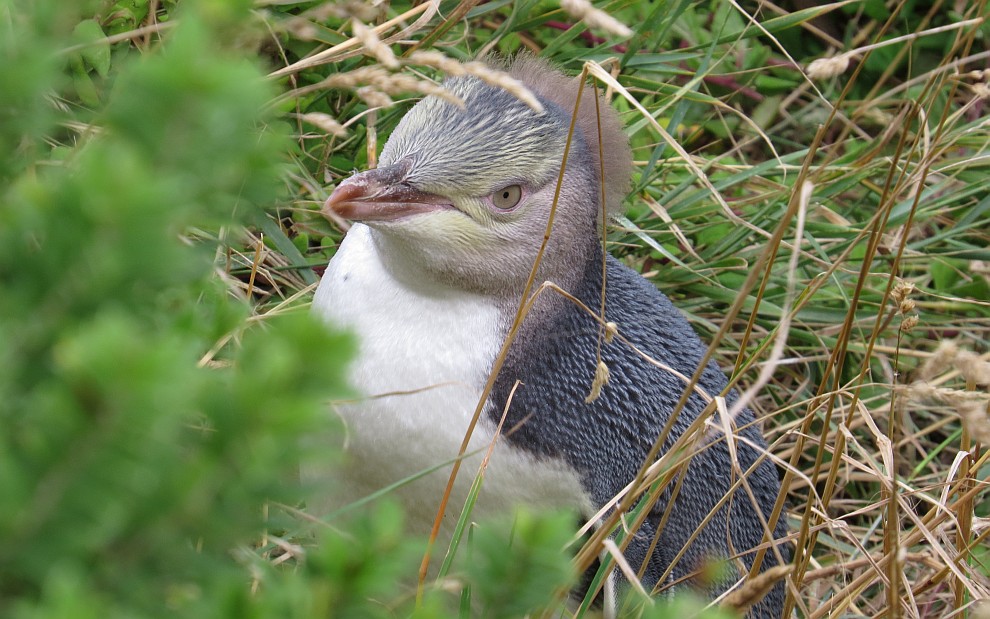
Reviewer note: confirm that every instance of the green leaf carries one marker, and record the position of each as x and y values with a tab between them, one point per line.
772	25
945	274
96	50
515	570
86	89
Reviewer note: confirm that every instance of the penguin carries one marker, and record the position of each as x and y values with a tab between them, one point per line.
430	277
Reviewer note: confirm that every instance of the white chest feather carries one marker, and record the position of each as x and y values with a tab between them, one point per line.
424	356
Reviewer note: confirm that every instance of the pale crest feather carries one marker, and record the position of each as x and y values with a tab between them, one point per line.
544	79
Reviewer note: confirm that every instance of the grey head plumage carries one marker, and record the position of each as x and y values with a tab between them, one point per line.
486	174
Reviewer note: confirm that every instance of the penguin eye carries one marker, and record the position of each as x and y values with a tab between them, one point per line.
507	197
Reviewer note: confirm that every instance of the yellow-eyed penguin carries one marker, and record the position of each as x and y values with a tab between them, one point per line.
430	277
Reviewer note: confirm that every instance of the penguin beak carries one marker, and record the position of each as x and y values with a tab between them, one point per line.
382	195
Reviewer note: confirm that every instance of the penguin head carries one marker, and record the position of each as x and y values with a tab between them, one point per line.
464	194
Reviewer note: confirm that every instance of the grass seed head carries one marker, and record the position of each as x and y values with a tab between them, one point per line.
482	71
755	589
594	18
902	290
370	41
601	379
826	68
611	330
325	122
981	90
909	322
975	417
374	97
938	362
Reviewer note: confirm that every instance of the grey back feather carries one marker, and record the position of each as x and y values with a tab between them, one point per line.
607	440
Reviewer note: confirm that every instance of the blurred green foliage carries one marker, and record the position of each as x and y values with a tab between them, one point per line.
513	574
127	473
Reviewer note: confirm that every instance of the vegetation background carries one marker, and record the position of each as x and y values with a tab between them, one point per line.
162	168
